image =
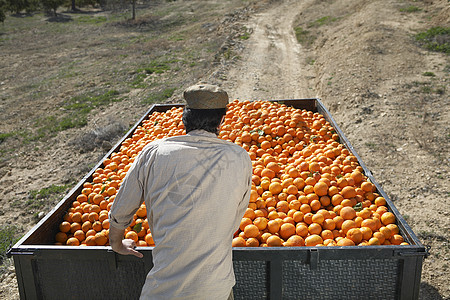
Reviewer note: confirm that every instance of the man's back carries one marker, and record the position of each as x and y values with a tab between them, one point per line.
196	189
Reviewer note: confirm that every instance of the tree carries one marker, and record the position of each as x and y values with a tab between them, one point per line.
133	9
2	10
52	4
16	6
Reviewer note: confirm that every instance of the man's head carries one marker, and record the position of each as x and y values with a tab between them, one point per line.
205	108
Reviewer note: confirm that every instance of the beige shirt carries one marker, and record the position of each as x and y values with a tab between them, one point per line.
196	188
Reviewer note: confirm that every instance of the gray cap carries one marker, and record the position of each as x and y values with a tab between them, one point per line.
205	96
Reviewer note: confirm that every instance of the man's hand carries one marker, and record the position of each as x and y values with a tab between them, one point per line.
126	247
120	245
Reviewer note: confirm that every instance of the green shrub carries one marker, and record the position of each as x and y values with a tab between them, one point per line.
410	9
322	21
8	236
304	37
429	74
435	39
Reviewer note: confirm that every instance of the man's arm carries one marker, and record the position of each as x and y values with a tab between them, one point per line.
127	201
120	245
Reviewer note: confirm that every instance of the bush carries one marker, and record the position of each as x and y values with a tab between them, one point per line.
52	4
435	39
8	236
2	10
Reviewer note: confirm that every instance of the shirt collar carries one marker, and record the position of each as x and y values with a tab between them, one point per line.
201	132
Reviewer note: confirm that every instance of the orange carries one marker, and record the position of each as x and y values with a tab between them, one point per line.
314	228
273	215
252	242
307	218
355	235
97	226
76	217
90	232
301	230
387	218
336	199
345	242
268	173
314	167
149	239
379	236
100	239
261	223
347	213
366	233
329	242
64	226
141	243
367	186
294	241
315	205
249	213
79	234
274	241
370	223
238	242
132	235
61	237
338	221
327	234
74	227
287	230
105	224
321	188
93	216
357	176
282	206
245	222
329	224
251	231
275	188
142	211
380	201
90	241
385	231
273	226
274	167
318	218
86	226
374	241
313	240
396	239
347	225
348	192
394	228
73	241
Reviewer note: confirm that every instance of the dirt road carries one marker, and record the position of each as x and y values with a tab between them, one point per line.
271	67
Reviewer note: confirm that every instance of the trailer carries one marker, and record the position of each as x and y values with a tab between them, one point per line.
48	271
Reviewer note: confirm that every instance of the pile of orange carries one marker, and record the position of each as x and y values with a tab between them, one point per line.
86	222
308	189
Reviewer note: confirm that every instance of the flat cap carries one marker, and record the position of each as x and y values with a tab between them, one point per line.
205	96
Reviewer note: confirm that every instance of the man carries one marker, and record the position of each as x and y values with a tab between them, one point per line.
196	188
